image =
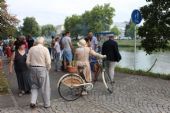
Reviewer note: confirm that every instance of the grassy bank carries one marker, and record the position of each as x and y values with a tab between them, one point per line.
142	73
3	84
128	43
121	43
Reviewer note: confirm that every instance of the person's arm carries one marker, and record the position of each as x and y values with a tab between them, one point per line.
48	59
11	63
92	52
103	49
71	45
95	43
28	61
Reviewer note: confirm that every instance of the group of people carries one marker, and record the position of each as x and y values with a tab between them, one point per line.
89	48
32	61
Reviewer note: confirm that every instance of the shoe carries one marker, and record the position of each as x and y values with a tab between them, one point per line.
113	82
23	92
57	70
20	94
28	92
84	93
46	107
32	106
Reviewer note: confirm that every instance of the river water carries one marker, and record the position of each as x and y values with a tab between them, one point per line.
144	62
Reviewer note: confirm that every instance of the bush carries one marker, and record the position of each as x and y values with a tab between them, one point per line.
3	83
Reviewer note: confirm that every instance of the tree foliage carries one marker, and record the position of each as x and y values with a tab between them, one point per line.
8	22
156	28
73	24
48	30
96	20
130	30
30	26
115	30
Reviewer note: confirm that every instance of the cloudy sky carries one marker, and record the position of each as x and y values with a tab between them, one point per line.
55	11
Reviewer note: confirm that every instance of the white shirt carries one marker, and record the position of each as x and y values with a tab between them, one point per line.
57	47
66	43
94	42
39	56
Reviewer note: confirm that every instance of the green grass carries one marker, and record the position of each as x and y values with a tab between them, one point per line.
3	84
128	43
142	73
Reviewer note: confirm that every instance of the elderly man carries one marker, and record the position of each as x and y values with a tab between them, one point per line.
110	49
39	62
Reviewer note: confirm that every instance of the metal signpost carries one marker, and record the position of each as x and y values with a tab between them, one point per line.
136	19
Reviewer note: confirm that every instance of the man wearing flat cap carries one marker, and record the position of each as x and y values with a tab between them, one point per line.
110	49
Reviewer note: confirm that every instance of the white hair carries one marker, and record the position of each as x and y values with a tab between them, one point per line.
40	40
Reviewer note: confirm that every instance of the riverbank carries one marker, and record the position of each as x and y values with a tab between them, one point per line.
125	43
130	43
142	73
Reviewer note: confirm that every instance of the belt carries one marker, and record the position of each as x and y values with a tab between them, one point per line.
37	66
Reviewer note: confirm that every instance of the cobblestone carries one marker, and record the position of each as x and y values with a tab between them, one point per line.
132	94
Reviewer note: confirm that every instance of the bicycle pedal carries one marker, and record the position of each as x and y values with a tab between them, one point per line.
89	86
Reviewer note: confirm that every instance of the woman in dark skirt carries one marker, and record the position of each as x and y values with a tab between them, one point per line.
18	60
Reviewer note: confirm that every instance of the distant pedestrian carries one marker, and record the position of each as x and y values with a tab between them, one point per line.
67	50
30	41
1	49
52	48
39	62
57	54
110	49
93	41
9	50
22	72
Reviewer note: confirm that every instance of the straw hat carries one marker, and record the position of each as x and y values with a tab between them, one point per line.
82	43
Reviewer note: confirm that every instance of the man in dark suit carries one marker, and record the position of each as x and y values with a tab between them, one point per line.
110	49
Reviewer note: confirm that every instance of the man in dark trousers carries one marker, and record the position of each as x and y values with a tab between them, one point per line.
110	49
30	41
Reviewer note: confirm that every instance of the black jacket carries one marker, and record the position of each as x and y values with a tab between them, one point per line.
110	49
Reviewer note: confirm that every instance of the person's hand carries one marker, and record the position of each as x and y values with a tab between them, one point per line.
10	71
104	56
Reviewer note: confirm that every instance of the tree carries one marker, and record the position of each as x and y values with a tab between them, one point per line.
48	30
115	30
97	20
73	24
130	30
101	18
7	21
30	26
156	28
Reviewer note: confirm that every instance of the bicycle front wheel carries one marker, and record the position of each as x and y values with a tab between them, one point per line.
69	87
107	82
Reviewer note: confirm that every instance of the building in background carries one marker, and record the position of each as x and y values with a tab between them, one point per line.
121	26
59	29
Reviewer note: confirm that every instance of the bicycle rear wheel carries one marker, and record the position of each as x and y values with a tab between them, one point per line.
69	87
107	81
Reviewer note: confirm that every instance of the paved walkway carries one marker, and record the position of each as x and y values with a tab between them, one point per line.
132	94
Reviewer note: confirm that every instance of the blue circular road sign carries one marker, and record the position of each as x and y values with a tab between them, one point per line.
136	16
